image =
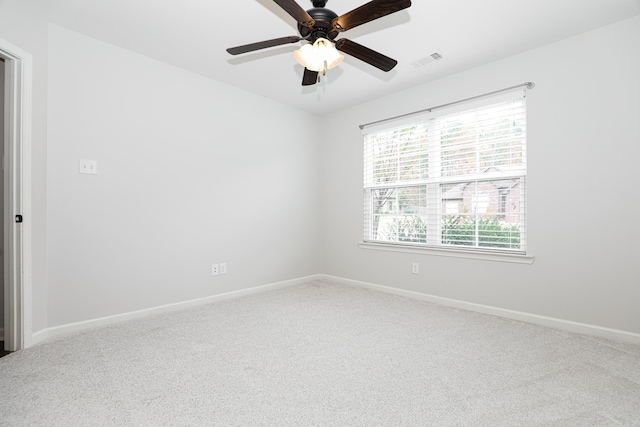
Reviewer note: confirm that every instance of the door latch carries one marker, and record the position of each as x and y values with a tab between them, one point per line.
18	218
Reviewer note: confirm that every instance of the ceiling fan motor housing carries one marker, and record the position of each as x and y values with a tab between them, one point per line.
322	27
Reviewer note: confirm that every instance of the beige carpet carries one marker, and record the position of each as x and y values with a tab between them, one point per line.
322	354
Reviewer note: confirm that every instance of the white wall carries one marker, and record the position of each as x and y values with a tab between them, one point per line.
171	144
190	172
584	145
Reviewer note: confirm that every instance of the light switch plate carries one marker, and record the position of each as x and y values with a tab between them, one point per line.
89	167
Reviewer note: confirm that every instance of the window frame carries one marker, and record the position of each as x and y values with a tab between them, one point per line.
435	184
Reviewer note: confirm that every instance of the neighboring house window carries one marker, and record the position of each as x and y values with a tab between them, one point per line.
449	179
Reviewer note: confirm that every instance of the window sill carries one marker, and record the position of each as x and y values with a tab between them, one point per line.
456	253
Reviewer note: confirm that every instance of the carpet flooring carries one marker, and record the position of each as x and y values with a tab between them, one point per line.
322	354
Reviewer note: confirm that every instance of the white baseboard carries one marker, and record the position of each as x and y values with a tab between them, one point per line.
552	322
57	331
567	325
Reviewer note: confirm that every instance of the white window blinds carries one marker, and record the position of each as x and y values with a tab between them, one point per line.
450	178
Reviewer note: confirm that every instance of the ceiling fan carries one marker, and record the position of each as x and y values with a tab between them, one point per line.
320	26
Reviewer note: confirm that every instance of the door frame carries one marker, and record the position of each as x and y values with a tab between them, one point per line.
17	196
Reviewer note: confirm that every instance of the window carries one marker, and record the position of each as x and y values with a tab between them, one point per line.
450	179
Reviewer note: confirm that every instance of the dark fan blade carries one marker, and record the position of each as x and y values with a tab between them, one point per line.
365	54
309	77
298	13
262	45
368	12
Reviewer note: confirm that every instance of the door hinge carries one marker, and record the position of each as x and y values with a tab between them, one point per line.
18	218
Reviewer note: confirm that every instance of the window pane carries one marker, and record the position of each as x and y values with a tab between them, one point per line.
396	156
399	214
474	142
487	213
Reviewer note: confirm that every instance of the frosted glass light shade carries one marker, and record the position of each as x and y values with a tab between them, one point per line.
322	55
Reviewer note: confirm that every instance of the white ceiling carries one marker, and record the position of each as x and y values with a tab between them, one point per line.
193	34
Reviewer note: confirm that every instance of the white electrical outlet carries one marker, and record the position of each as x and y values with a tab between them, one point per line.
215	269
223	268
415	268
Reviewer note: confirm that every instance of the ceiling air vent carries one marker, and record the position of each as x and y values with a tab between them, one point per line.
430	59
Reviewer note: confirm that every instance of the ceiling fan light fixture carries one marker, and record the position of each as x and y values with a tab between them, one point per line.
319	26
322	55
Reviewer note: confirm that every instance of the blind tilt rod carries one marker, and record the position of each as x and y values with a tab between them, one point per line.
528	85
